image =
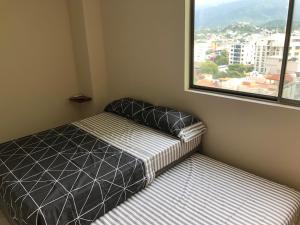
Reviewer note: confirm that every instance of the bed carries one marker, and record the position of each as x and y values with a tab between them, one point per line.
201	190
73	174
156	149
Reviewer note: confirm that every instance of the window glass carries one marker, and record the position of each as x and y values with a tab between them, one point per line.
239	44
292	74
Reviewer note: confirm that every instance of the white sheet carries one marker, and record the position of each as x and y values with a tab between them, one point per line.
204	191
155	148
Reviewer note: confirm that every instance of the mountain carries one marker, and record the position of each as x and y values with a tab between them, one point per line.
280	24
242	28
256	12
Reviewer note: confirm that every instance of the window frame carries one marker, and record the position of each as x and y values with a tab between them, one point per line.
274	99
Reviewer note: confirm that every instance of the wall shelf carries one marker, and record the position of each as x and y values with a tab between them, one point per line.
80	99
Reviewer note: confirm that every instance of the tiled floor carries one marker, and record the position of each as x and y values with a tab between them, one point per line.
3	220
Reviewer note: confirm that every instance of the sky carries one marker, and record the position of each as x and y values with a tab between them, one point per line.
212	2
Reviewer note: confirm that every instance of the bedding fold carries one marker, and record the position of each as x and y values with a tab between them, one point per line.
190	132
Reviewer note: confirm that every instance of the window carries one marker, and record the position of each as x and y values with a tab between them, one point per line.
291	88
247	47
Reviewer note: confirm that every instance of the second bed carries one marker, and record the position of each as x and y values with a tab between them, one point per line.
203	191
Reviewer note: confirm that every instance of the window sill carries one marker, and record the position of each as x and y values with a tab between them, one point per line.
243	99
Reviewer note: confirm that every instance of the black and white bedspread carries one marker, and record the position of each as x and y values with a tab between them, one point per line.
65	176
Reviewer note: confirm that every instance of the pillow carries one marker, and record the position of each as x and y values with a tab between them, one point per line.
130	108
169	120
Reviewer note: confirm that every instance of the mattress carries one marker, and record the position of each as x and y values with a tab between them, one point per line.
201	190
156	149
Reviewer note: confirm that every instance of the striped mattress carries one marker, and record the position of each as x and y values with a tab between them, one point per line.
155	148
201	190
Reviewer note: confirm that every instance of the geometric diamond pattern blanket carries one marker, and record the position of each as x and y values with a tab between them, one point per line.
65	176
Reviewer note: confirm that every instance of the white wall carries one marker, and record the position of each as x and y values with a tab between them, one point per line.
37	69
88	44
144	43
50	50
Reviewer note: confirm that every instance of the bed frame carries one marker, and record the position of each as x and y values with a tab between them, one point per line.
197	149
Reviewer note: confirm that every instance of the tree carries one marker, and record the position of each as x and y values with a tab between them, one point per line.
235	74
209	52
222	59
220	75
249	68
240	68
208	67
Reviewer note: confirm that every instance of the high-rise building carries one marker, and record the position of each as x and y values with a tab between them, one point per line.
269	54
268	47
242	54
294	50
273	66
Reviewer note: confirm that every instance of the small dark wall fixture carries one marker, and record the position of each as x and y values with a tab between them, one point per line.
80	99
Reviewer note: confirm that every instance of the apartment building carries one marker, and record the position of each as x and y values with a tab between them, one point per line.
242	54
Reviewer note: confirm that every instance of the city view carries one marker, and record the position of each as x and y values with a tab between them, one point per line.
239	46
